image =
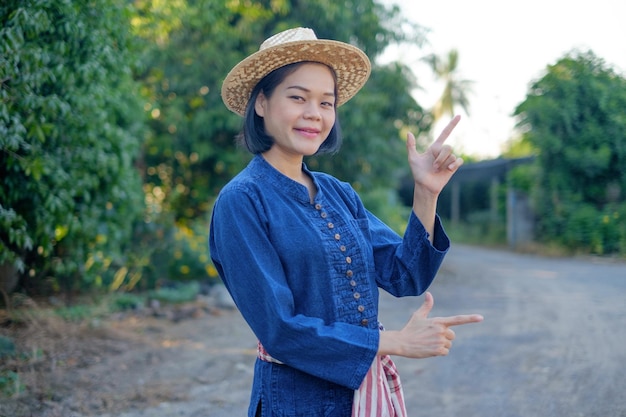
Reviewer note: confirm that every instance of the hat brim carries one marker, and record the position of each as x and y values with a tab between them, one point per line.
352	69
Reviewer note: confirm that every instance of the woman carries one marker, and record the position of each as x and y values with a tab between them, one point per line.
301	256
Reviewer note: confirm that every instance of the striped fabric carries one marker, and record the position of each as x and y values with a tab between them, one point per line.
380	393
264	356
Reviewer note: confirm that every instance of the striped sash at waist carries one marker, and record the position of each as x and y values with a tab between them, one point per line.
380	393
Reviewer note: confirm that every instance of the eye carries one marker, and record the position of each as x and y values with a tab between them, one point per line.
329	104
296	98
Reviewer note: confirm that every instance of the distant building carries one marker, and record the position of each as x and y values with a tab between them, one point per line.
476	188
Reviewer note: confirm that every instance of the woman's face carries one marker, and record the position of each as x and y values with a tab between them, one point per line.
301	111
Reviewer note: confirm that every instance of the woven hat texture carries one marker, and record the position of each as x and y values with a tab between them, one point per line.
351	65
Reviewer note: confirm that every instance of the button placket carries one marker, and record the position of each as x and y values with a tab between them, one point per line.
348	261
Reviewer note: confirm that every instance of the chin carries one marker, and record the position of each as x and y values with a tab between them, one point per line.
311	153
309	150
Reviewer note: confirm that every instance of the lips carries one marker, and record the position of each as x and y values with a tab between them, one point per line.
308	132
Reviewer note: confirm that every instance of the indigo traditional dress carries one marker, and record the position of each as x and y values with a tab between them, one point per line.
306	276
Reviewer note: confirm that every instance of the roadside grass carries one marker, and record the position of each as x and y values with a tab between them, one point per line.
493	236
33	335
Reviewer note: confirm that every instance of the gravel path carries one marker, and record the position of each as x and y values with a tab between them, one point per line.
553	343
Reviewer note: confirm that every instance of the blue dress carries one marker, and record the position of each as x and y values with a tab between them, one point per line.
305	277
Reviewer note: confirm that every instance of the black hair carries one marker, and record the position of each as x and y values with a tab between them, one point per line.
255	139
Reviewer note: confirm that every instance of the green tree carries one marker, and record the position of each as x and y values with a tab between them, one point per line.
189	152
573	117
455	90
70	128
192	44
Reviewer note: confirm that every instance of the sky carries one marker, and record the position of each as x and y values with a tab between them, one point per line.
504	46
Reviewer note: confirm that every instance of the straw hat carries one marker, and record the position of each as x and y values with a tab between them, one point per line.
351	65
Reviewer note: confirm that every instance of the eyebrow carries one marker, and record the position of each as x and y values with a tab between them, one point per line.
306	90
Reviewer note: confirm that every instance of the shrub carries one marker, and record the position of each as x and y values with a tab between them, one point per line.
70	128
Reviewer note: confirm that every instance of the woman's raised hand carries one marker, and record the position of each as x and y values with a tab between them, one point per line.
433	169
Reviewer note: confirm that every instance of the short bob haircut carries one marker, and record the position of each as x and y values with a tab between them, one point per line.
254	138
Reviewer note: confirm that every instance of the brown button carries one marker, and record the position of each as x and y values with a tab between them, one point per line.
331	226
353	283
337	236
364	322
342	248
361	308
349	273
348	260
357	295
324	215
318	206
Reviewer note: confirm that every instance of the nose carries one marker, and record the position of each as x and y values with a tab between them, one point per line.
312	112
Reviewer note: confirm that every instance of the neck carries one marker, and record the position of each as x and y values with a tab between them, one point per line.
292	168
288	166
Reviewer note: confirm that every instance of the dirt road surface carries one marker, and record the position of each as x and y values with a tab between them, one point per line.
553	343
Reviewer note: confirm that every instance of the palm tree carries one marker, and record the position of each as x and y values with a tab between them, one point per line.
455	92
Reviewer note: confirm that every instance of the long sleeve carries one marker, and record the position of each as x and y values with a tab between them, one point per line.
247	260
408	269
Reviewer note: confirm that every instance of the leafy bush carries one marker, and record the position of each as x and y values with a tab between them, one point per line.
164	251
596	231
127	301
9	380
7	347
386	205
573	118
70	128
190	255
178	293
10	384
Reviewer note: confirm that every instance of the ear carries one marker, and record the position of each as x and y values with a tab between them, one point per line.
259	104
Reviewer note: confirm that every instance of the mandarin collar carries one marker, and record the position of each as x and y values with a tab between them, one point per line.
282	182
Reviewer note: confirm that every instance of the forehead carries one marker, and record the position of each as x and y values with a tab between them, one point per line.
312	74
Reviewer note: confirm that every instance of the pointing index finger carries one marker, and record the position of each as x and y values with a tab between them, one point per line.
447	130
459	320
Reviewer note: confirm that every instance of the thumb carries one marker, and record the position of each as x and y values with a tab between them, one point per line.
426	306
410	145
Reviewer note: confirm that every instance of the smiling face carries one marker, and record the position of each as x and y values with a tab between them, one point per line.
300	112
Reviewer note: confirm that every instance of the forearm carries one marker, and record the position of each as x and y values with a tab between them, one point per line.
425	208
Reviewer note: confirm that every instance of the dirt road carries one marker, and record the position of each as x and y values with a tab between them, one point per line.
553	343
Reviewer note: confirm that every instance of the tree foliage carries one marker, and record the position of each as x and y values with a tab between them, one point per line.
192	44
70	128
92	90
574	118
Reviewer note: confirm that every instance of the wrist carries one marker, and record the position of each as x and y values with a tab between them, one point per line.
424	196
389	343
425	208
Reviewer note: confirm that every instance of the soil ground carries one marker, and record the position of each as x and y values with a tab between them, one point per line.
552	344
